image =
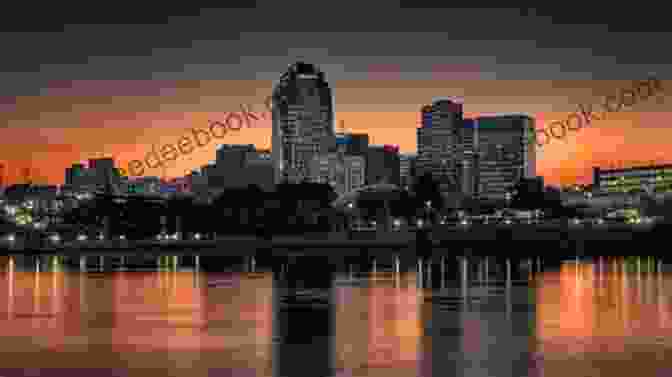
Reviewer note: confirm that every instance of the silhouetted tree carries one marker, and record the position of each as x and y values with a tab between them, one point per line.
299	208
528	195
552	204
427	189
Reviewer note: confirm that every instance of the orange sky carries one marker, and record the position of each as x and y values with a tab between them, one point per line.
61	127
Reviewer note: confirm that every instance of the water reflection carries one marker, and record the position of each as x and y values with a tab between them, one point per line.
605	314
384	316
379	325
166	322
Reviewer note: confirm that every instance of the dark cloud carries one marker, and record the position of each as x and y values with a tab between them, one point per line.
257	40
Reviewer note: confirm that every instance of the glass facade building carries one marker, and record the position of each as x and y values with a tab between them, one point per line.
303	115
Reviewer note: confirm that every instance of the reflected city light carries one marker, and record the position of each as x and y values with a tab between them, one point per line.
583	314
393	325
584	307
384	331
65	312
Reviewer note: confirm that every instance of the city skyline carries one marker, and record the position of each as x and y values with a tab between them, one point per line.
124	99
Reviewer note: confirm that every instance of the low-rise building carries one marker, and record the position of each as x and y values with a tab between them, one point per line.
657	178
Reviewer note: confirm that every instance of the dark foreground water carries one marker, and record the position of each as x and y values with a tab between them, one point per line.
313	317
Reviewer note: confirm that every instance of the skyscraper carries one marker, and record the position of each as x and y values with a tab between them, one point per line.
303	114
382	164
504	153
406	169
438	140
342	171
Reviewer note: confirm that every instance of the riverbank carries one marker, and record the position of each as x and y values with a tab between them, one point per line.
524	240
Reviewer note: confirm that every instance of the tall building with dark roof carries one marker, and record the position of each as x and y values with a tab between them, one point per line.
504	154
303	114
438	139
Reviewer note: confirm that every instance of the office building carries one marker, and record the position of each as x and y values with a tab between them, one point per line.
426	116
355	172
657	178
209	170
144	185
406	169
336	164
303	113
357	144
438	139
72	173
343	172
382	164
238	166
496	154
95	177
466	160
232	155
198	183
258	170
104	168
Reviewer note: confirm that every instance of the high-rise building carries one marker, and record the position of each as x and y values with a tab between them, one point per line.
358	145
382	164
339	164
343	172
504	154
466	159
426	114
303	113
438	140
406	169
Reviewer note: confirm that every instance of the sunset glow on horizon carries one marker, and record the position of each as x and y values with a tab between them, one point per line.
123	120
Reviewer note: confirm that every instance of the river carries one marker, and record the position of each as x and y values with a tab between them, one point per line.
309	316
